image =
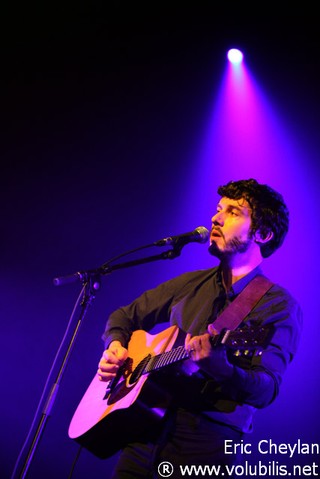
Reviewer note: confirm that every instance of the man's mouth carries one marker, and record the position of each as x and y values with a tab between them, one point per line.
216	234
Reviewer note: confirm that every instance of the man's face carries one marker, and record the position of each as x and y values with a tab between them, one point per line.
230	233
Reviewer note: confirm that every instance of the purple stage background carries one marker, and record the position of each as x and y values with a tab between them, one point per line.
119	124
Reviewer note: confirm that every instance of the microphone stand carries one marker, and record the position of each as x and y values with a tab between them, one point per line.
91	280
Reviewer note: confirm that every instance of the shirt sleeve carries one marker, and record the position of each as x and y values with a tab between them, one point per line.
257	381
151	308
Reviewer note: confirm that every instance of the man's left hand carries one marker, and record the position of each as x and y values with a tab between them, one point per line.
212	360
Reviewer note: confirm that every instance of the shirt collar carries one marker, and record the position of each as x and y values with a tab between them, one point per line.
239	285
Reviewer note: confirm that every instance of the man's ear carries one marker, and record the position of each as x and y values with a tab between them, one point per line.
263	238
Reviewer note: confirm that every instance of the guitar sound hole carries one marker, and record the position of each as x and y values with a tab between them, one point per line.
139	370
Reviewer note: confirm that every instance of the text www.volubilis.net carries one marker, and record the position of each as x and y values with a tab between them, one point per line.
270	469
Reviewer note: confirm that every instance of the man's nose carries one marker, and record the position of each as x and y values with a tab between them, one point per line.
217	219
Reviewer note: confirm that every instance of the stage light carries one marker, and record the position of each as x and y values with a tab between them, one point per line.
235	56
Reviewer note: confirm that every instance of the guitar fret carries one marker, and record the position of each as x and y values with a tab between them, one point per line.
165	359
170	356
177	355
160	361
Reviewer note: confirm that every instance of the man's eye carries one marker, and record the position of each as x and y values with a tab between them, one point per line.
234	213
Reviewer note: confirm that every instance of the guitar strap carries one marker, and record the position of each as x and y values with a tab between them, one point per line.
236	312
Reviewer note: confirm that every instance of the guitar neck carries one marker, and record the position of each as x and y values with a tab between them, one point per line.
165	359
245	340
239	340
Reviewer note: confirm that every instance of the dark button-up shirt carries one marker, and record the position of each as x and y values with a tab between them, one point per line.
188	301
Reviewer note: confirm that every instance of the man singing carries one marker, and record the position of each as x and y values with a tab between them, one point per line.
217	403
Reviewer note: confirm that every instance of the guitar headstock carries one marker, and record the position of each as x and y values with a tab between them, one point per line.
244	339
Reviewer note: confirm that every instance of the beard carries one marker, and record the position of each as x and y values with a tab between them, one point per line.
231	247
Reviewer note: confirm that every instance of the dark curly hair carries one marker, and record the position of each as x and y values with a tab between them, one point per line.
269	212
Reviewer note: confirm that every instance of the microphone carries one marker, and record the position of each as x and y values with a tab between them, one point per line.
199	235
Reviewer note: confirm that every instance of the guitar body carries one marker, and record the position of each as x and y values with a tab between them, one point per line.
105	423
110	416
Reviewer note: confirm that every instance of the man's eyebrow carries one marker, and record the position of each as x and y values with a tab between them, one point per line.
229	206
238	207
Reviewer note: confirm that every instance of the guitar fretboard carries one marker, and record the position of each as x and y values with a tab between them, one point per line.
165	359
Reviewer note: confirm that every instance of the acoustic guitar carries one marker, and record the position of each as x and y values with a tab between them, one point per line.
111	415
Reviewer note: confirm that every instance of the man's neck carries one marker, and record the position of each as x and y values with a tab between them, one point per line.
232	272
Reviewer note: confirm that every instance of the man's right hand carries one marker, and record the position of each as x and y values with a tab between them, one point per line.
112	358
